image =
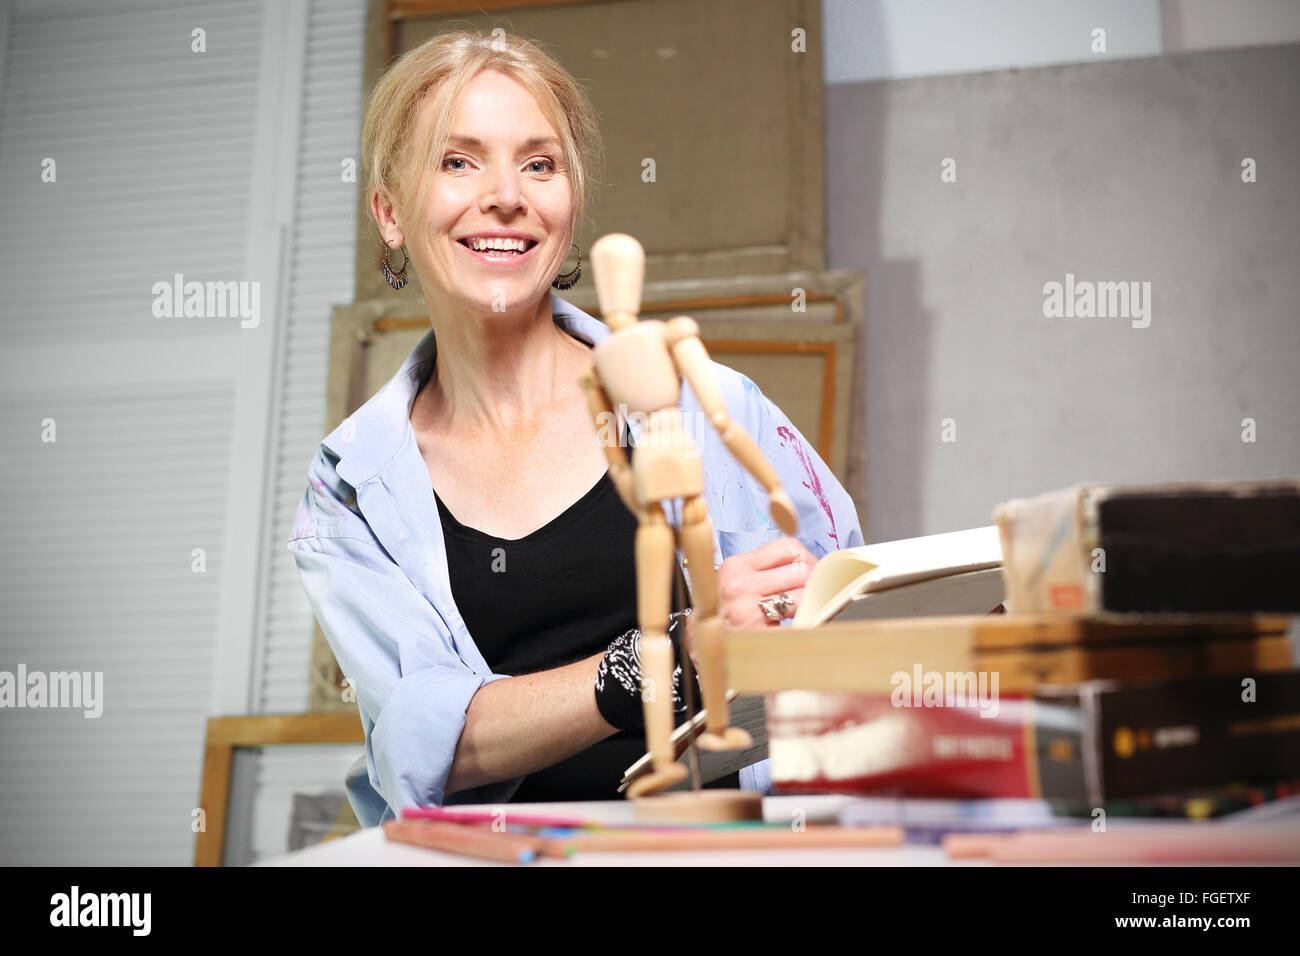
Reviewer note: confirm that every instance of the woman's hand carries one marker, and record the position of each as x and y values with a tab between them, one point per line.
746	579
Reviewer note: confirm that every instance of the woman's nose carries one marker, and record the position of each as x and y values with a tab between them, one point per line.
502	190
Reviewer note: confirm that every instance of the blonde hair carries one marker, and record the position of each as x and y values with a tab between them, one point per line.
448	62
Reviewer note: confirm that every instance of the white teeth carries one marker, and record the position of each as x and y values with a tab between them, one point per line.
483	245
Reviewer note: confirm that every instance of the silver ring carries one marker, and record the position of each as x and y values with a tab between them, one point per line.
777	607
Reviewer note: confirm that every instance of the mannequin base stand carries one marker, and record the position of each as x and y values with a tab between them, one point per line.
699	806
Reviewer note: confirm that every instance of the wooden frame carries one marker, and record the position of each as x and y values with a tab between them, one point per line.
227	733
834	340
825	440
736	314
404	9
394	11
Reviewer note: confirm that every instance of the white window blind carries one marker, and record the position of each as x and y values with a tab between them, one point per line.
166	160
321	276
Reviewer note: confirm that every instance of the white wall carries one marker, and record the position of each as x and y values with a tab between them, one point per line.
1123	171
896	39
1226	24
1112	166
322	254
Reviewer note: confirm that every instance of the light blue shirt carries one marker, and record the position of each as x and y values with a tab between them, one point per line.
368	543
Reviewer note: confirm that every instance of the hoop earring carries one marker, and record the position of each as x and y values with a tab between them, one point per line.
396	279
567	280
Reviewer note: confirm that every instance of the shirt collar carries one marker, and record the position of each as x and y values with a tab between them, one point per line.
368	439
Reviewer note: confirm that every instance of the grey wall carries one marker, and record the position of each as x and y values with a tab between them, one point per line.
1127	170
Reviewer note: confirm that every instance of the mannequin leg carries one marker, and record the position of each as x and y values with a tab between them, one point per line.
654	581
710	650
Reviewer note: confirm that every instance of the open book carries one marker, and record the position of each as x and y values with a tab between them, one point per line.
959	572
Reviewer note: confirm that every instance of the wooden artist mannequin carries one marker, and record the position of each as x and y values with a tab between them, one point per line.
640	367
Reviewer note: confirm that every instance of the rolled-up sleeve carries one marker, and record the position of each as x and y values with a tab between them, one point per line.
412	687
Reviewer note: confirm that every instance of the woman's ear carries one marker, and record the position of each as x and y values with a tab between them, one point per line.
381	207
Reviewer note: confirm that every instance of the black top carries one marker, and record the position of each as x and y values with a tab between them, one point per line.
550	598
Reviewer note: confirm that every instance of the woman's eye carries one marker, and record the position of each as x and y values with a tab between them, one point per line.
547	165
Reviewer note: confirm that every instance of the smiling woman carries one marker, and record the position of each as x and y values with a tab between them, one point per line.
462	527
461	124
499	193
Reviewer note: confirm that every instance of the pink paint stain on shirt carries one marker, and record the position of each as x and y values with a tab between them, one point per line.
333	504
813	483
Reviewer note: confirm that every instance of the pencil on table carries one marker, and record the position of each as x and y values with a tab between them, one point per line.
502	818
1205	843
967	846
465	840
1197	843
496	816
734	839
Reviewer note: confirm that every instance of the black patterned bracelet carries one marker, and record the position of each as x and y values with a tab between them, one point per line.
618	679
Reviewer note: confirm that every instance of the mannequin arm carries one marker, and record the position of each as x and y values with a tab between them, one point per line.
620	473
692	360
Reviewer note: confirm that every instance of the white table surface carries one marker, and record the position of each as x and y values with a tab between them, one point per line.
370	848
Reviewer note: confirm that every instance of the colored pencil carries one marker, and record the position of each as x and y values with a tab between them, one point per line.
479	816
465	841
967	846
570	823
780	837
1183	843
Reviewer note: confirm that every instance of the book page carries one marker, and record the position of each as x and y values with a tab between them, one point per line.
873	567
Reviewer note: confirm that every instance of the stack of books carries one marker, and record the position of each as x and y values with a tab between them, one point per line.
1144	651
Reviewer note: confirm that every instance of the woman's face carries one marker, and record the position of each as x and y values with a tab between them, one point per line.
502	173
